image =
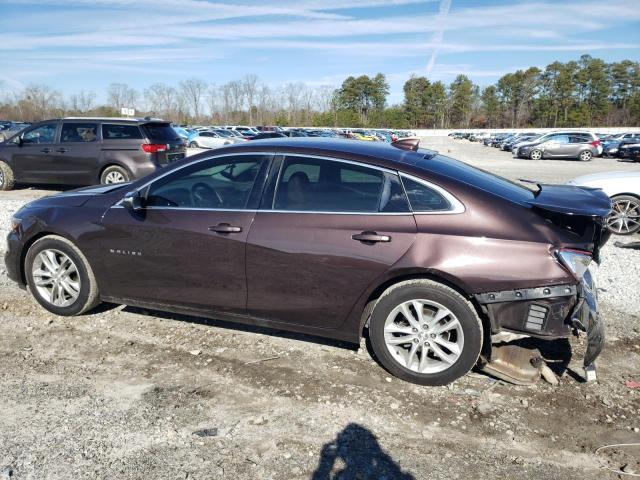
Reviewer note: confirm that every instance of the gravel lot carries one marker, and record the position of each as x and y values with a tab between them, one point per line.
128	393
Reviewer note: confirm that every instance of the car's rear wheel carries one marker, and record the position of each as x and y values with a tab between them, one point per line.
7	180
114	174
625	215
425	332
586	156
535	154
60	277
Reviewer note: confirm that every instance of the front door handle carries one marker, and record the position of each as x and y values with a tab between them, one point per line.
46	150
61	150
225	228
371	237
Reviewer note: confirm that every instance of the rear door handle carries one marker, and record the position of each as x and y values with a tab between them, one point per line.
371	237
46	150
61	150
225	228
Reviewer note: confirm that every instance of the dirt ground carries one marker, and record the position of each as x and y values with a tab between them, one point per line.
128	393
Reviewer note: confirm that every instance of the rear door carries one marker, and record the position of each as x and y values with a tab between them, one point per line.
187	246
76	155
327	229
33	160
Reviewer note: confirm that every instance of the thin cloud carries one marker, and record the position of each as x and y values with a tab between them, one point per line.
438	36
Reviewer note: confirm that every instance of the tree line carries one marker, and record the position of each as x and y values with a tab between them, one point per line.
583	93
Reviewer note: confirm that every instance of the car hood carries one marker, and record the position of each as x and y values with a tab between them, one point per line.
77	197
598	177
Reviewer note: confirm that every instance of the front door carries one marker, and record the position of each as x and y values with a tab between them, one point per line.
33	159
187	246
330	229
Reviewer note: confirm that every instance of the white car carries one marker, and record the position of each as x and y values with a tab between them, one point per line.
209	139
624	190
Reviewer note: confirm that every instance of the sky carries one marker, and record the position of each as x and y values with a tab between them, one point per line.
87	44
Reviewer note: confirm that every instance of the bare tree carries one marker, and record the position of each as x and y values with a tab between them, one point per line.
324	98
37	102
192	91
237	97
163	100
120	95
293	92
250	87
82	102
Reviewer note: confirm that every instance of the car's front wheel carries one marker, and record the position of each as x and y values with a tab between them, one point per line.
625	215
194	145
7	179
425	332
60	277
535	154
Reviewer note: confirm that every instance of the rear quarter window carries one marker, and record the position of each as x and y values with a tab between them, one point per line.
422	198
120	132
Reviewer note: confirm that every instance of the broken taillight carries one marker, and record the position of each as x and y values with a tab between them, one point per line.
577	261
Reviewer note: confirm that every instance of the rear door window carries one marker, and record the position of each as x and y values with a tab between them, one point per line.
120	132
320	185
79	132
580	138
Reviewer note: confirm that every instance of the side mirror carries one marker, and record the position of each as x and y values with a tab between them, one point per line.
20	141
133	201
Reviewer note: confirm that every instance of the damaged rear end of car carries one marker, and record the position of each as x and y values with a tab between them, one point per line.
577	216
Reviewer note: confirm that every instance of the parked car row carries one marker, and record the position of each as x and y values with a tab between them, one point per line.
267	131
580	145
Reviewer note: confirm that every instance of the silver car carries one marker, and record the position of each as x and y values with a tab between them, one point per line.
579	145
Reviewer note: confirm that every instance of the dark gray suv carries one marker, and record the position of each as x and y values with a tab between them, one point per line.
86	151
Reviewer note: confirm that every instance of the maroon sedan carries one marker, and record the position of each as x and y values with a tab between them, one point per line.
424	253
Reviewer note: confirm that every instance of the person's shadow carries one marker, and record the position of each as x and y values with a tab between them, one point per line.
355	454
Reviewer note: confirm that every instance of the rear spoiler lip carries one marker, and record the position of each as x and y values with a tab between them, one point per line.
595	205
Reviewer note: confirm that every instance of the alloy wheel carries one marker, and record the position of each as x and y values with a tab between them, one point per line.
625	216
585	156
56	278
423	336
536	155
1	178
114	177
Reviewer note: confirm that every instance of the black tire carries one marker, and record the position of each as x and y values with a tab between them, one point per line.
585	156
7	180
88	296
428	290
193	145
535	154
112	171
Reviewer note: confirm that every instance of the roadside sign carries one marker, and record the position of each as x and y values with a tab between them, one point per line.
129	112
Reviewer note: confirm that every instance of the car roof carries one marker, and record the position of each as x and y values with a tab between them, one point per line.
136	121
332	147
